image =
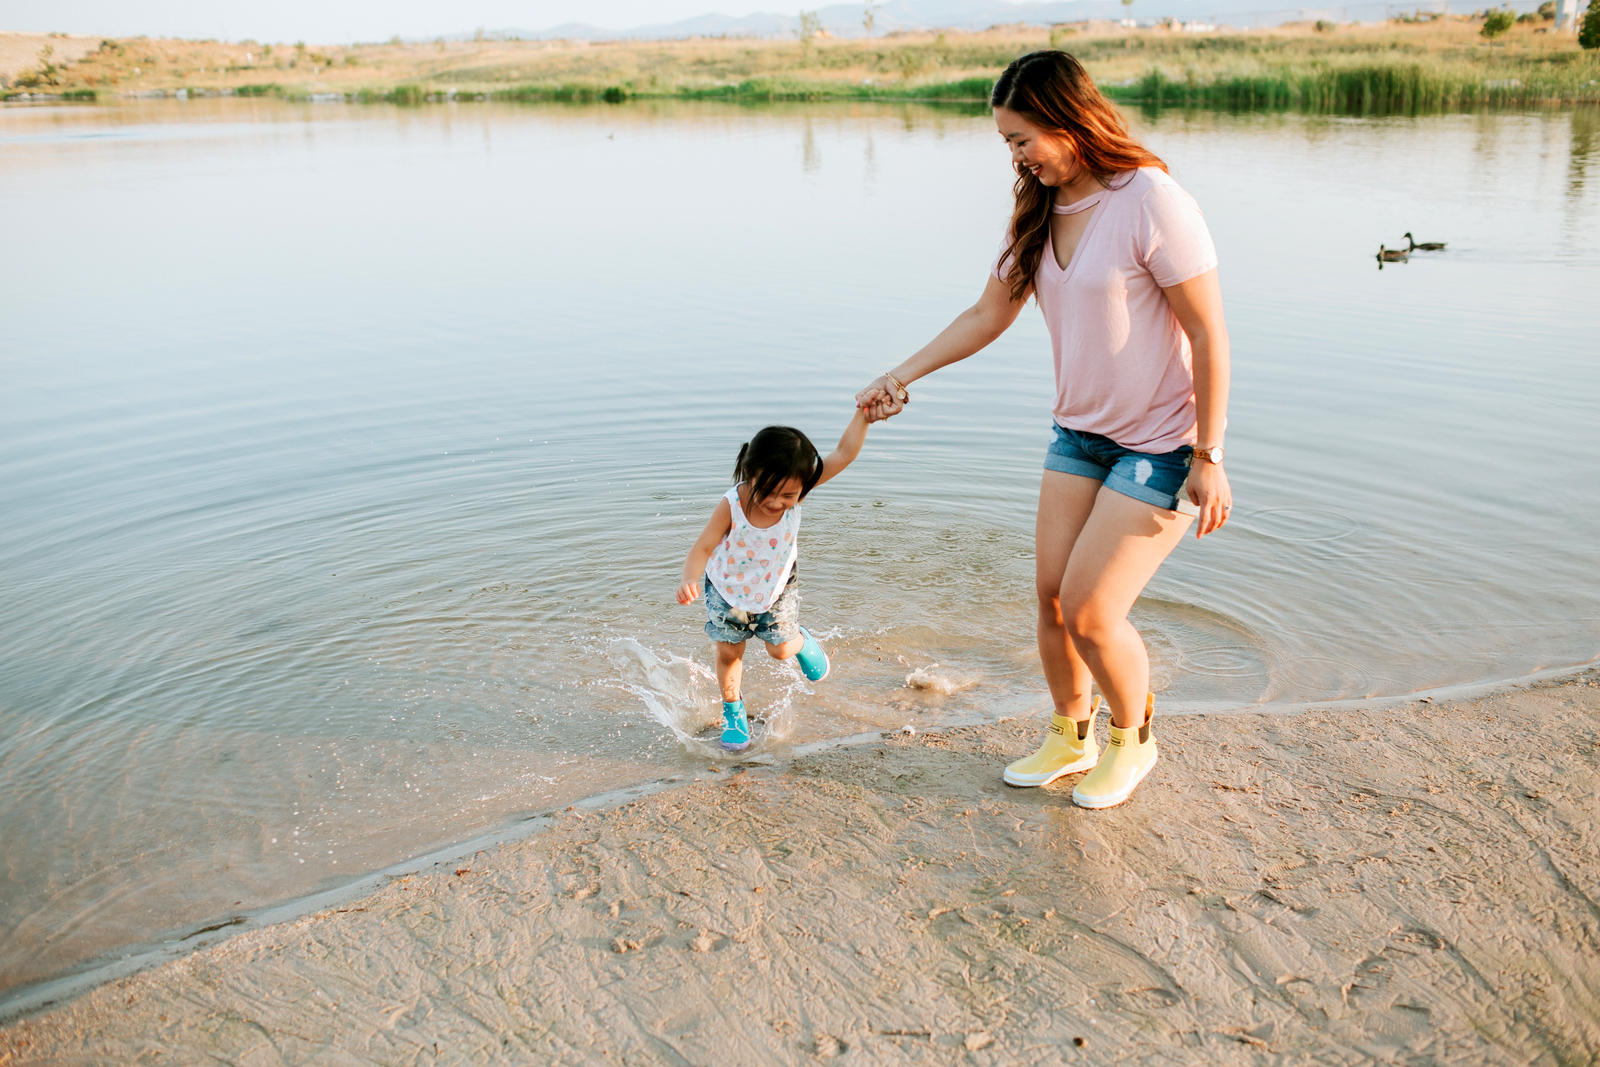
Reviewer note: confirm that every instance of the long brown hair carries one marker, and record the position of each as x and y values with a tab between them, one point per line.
1052	90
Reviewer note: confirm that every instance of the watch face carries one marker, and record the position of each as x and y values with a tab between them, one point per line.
1216	455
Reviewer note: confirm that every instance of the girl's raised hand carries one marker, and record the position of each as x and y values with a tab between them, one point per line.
687	592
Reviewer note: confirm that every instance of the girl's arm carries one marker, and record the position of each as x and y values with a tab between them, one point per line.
971	331
1198	305
855	435
694	565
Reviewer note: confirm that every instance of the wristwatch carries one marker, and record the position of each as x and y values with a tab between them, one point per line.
1213	454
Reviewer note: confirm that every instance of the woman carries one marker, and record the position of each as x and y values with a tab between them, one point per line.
1124	270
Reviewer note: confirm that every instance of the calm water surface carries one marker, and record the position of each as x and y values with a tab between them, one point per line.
348	456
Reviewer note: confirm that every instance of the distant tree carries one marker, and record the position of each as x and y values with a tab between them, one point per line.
1547	10
1127	8
869	18
1589	28
1495	23
810	26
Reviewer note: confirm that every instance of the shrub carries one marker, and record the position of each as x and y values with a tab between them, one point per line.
1495	23
1589	30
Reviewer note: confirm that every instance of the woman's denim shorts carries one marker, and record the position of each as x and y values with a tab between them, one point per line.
1155	478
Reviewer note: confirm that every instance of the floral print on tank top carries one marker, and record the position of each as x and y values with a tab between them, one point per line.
751	565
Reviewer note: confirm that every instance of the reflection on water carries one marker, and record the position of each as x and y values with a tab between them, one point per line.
1585	147
348	456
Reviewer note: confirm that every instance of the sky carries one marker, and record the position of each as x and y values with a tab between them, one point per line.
346	21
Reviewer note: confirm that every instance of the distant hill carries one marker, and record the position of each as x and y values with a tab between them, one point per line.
845	20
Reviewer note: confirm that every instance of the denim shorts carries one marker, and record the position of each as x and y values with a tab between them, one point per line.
1153	477
778	625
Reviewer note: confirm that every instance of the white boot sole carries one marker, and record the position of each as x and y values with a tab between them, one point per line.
1030	781
1114	799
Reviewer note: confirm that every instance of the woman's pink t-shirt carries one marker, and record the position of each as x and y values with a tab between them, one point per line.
1123	364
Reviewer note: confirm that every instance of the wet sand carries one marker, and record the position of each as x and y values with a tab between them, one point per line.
1416	883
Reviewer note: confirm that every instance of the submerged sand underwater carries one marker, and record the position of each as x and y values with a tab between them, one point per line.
1415	883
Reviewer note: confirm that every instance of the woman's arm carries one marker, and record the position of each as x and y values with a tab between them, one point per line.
855	435
1198	305
695	564
972	330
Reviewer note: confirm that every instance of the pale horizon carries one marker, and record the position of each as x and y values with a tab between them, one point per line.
354	20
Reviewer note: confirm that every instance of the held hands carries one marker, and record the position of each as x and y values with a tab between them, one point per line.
1209	491
878	400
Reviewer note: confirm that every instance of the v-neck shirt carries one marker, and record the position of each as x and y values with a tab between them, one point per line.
1124	367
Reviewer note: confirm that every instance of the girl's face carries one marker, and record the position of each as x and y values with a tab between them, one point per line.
1047	155
784	497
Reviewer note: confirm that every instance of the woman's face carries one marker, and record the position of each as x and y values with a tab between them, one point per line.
1048	156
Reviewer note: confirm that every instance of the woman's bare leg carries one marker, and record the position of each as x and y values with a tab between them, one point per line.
1114	556
1065	501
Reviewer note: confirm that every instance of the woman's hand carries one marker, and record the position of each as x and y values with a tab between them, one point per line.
878	401
1209	491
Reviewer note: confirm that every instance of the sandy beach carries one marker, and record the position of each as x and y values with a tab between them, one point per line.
1416	883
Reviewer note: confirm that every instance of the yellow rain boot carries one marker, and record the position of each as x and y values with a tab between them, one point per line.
1129	757
1068	747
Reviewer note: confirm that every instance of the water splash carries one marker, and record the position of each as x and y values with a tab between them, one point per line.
682	695
943	681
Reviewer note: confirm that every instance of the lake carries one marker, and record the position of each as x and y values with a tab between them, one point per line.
348	456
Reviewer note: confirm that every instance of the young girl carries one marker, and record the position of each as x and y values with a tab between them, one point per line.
745	560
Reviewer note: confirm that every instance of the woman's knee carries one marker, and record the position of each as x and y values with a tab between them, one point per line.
1087	620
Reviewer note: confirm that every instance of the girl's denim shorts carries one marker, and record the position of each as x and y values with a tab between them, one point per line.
1155	478
778	625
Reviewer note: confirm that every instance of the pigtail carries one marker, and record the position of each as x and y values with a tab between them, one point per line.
809	482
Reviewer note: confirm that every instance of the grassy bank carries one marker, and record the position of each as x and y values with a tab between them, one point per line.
1394	67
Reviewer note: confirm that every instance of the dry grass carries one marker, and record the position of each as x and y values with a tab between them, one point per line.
1436	65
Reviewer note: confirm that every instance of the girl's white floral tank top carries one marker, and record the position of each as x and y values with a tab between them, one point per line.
751	566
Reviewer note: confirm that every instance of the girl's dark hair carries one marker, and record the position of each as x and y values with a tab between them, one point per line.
772	457
1052	90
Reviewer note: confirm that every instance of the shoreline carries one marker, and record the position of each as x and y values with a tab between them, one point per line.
1399	67
907	780
130	959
